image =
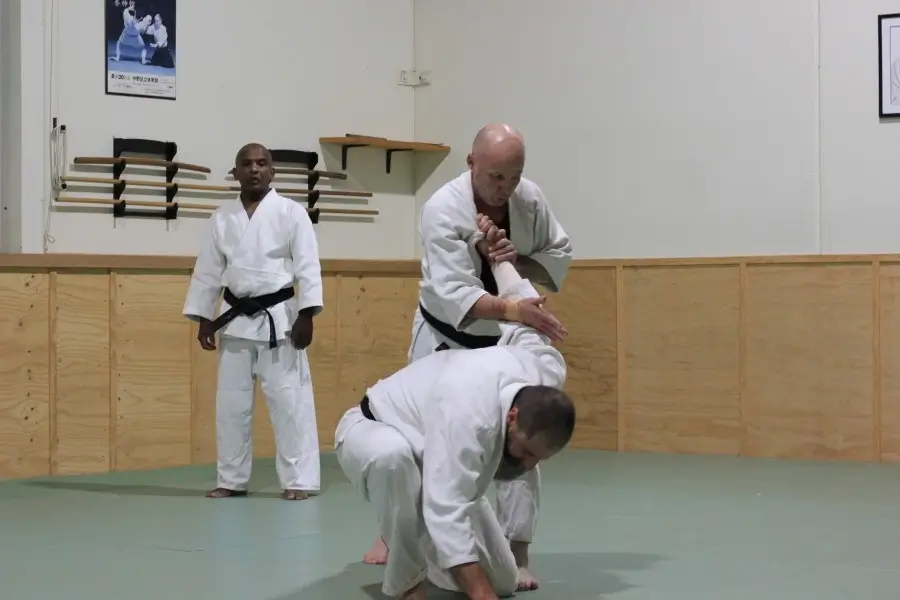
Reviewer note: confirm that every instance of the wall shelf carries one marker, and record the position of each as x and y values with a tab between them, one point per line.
352	140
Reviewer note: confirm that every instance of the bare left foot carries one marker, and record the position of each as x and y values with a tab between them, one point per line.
294	495
527	582
377	554
221	492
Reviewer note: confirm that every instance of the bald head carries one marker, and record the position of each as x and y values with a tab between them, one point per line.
496	161
498	138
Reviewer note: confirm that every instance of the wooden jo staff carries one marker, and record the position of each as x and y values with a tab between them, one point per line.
196	206
298	171
156	162
207	187
136	160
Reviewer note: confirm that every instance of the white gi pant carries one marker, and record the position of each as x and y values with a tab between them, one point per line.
380	463
519	500
287	386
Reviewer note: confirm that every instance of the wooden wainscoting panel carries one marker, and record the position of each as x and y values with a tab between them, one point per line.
889	348
682	362
81	338
809	367
587	308
789	357
324	362
152	379
204	371
375	316
24	375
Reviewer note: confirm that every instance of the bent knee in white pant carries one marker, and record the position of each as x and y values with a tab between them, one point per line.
392	475
394	458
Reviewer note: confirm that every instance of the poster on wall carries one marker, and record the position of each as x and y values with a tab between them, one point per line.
140	48
889	66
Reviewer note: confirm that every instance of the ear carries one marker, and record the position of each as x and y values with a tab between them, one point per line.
469	162
512	416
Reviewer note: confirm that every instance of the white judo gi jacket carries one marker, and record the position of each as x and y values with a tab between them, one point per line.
451	266
253	257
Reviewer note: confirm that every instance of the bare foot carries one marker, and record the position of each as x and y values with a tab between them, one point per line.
377	554
225	493
417	593
527	582
294	495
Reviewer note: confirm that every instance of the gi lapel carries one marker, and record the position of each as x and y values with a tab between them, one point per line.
252	238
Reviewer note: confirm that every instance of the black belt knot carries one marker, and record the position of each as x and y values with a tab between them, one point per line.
250	306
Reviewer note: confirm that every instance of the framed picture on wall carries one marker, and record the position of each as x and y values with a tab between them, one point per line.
889	66
139	48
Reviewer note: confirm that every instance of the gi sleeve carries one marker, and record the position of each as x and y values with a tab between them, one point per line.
452	271
305	256
206	279
512	286
555	248
456	444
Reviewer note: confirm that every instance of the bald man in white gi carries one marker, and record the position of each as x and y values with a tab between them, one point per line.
424	444
459	305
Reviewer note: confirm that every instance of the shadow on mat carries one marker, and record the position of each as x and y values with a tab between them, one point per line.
121	489
575	576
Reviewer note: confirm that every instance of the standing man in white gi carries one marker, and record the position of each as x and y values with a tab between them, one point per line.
425	443
458	305
255	249
458	302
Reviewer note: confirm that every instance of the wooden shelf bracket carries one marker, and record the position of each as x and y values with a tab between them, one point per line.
352	140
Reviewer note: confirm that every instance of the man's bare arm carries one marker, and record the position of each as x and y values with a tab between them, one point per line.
490	307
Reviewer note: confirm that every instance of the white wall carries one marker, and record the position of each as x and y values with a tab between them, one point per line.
660	128
10	127
860	153
279	73
656	128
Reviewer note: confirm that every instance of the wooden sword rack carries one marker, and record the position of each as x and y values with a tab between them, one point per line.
162	154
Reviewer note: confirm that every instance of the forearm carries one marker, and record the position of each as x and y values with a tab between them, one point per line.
473	581
489	308
498	308
511	285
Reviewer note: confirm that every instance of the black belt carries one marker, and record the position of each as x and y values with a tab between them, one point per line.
366	411
466	340
250	306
